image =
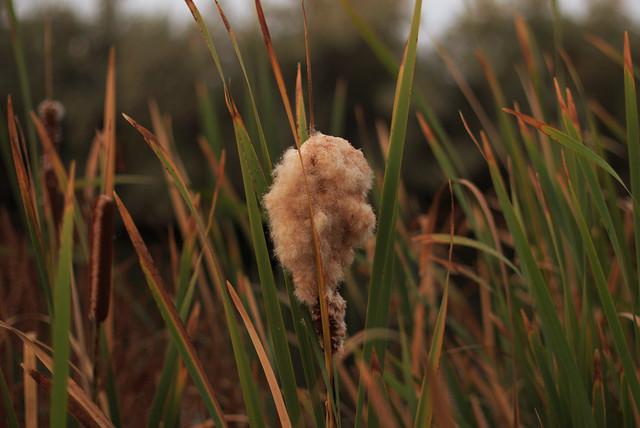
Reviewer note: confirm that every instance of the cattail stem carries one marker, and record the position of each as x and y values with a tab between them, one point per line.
95	380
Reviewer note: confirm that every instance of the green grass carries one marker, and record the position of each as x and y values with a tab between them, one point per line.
62	317
513	305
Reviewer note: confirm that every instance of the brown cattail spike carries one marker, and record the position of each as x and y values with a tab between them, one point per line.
338	178
337	328
51	114
101	257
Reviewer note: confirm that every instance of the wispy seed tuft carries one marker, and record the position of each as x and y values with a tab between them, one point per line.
339	179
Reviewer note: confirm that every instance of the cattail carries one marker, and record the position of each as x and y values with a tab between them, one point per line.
339	178
100	257
51	114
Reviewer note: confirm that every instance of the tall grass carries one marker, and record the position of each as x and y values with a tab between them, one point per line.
517	305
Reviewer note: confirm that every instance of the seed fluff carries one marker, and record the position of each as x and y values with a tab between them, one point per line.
339	179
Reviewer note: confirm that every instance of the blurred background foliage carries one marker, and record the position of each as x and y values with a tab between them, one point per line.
162	61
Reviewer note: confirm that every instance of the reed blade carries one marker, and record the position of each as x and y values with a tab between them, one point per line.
62	317
269	291
262	356
384	254
170	315
29	207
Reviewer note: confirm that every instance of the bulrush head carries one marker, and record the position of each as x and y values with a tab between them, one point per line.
100	257
339	179
51	114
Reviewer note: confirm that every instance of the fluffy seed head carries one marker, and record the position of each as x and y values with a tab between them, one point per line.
339	178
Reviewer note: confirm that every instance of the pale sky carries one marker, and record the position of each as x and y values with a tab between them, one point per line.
436	14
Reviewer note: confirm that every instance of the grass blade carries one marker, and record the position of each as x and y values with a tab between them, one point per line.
12	419
31	218
467	242
425	409
264	360
7	158
109	131
248	386
312	125
61	175
269	292
95	416
253	176
608	305
184	295
306	353
552	328
301	116
571	144
276	70
62	317
609	51
263	142
207	37
338	110
386	58
380	286
172	319
379	401
209	121
319	270
25	87
77	403
633	144
30	386
382	52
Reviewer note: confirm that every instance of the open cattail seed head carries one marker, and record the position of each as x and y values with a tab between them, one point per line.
339	178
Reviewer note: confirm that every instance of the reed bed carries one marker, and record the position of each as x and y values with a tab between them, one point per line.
516	305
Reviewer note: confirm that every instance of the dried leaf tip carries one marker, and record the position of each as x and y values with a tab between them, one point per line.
628	64
101	257
338	178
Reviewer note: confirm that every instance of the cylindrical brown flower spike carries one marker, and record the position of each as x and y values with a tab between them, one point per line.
100	257
51	114
339	179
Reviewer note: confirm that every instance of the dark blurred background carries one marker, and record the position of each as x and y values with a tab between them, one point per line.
163	59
